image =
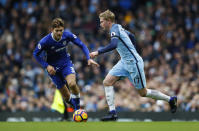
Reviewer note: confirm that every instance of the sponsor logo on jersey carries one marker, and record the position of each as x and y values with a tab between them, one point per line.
60	49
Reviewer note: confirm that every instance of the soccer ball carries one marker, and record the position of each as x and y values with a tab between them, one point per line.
80	116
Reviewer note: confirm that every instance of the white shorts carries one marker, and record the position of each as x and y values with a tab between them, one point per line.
134	72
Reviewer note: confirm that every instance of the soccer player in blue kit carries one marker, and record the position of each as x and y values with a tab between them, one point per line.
58	63
130	65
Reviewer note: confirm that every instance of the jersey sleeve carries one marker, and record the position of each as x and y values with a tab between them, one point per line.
73	38
109	47
36	53
114	32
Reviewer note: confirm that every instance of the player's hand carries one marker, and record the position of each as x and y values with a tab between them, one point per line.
51	70
90	61
94	54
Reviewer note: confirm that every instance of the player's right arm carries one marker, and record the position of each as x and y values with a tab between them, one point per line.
111	46
36	53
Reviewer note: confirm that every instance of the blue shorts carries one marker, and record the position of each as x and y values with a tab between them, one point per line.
133	71
61	73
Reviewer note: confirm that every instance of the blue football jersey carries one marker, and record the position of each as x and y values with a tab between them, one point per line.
56	54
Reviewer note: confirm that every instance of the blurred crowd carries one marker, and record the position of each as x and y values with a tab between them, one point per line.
167	33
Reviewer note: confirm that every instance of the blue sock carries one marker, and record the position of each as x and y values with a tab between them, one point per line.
172	98
113	112
75	102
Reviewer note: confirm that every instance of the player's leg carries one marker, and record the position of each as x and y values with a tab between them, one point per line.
114	75
65	116
155	94
68	74
65	93
139	81
75	92
108	83
68	98
71	80
60	85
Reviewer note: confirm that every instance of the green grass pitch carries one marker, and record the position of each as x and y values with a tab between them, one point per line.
99	126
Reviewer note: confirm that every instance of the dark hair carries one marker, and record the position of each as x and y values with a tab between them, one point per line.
57	22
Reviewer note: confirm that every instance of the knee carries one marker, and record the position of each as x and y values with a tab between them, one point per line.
65	93
107	83
66	97
72	84
143	93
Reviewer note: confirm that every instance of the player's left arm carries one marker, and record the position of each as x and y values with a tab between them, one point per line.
78	42
84	48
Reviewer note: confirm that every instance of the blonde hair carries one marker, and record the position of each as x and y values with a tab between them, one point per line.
107	15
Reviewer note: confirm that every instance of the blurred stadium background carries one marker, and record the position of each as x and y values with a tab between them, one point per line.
167	33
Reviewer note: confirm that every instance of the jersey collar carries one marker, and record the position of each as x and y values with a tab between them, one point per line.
54	39
112	27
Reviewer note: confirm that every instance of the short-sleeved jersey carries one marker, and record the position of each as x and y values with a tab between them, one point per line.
125	46
56	54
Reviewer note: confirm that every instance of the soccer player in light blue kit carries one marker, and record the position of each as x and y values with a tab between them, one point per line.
131	65
58	63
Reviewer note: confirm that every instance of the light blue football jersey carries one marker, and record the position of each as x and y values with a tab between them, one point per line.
125	46
131	64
